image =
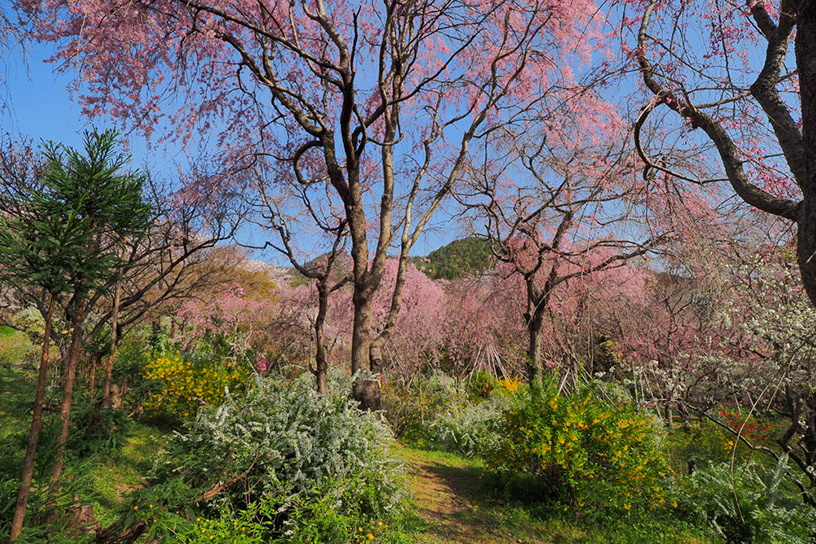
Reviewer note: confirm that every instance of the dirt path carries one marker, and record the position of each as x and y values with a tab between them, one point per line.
449	495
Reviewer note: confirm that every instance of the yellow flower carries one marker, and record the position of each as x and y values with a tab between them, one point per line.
370	536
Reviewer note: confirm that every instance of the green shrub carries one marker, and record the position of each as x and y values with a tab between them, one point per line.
15	347
769	509
468	429
411	406
98	431
697	444
481	384
312	520
581	449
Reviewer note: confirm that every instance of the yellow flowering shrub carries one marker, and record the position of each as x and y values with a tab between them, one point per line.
182	386
509	385
582	449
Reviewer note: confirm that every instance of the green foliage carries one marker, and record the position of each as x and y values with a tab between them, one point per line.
78	481
312	520
468	429
767	511
460	257
481	384
411	406
99	431
56	241
581	449
699	443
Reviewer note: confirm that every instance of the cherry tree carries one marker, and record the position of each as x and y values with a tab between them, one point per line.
740	73
558	204
375	105
484	326
420	327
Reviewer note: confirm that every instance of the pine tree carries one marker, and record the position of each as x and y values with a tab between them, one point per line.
65	242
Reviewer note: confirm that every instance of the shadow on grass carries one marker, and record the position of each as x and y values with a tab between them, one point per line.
463	502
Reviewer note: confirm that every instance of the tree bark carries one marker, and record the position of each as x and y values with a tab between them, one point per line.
34	433
376	350
69	370
321	368
361	333
805	47
108	397
535	321
364	391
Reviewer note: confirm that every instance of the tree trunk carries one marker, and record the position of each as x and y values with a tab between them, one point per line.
34	433
321	369
805	50
533	364
375	356
108	399
377	345
69	370
364	391
361	333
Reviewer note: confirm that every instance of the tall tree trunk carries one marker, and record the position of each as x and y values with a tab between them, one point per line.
34	432
321	368
69	371
117	296
365	391
377	345
535	321
361	332
805	47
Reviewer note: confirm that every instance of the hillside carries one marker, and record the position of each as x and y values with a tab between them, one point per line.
467	256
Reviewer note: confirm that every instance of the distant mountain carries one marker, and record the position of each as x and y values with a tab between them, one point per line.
277	274
460	257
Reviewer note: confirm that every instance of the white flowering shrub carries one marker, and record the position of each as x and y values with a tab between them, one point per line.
750	503
283	443
466	429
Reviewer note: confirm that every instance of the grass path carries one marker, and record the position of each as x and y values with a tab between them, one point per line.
458	503
452	499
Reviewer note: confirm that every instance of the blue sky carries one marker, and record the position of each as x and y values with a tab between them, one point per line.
39	106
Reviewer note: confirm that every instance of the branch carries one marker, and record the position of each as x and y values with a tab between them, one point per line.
732	162
218	488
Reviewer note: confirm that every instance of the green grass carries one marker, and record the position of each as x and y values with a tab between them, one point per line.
118	476
16	397
15	346
457	500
